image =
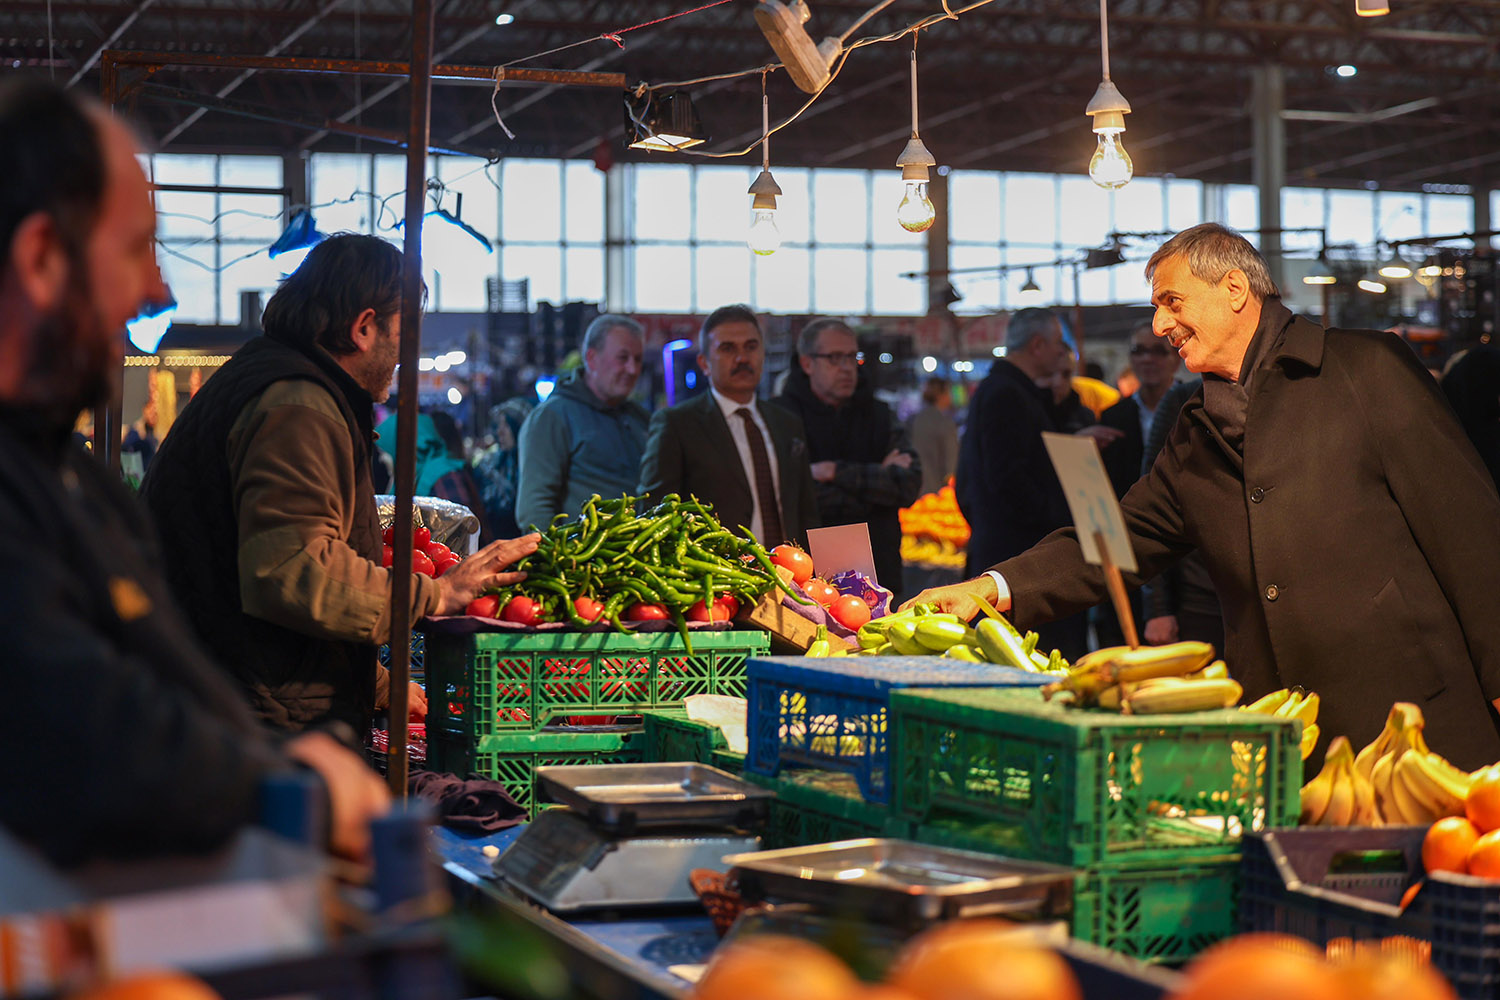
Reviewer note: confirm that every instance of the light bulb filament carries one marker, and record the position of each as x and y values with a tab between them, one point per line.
915	213
1110	167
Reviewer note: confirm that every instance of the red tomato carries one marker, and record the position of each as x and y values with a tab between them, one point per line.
485	606
523	610
435	550
421	564
443	564
701	613
387	556
821	591
420	537
588	609
388	535
646	613
849	611
730	605
794	559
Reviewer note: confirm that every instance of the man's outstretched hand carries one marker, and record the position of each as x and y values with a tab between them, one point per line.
482	571
960	598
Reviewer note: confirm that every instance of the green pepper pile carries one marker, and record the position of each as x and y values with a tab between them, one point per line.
673	555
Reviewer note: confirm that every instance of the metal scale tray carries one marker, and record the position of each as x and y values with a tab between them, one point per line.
630	835
905	883
623	798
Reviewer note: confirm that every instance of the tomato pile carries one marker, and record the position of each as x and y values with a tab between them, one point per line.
427	557
797	566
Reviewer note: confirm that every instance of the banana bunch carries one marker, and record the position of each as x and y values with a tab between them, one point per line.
1292	703
1413	786
824	739
1341	795
921	630
1180	677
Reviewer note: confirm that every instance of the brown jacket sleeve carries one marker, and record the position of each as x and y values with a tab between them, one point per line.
293	475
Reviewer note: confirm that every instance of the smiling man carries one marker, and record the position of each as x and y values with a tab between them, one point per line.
1351	531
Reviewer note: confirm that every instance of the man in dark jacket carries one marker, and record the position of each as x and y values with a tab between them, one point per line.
727	448
1006	486
865	468
124	739
262	493
1352	533
588	436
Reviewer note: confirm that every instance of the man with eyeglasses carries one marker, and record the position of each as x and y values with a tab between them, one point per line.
728	448
1155	368
865	468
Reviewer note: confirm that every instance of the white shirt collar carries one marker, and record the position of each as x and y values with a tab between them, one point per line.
728	406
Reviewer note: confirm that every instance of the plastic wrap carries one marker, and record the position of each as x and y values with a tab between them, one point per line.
851	582
451	523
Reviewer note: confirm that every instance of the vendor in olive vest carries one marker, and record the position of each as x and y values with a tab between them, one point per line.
262	494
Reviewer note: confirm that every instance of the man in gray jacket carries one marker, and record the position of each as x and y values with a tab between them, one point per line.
588	436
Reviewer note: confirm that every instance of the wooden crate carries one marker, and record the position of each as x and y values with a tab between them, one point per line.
790	632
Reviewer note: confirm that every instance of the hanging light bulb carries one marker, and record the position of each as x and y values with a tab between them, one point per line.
764	238
1110	167
915	213
1030	290
1395	267
1372	8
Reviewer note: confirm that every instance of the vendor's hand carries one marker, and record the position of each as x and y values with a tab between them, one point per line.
416	702
823	472
1104	436
959	598
1160	631
356	795
481	571
897	457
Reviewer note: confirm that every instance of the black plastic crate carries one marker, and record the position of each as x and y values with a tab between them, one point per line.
1325	883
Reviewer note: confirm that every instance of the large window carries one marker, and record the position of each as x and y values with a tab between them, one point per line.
681	229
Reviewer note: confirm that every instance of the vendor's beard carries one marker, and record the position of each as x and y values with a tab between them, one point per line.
72	359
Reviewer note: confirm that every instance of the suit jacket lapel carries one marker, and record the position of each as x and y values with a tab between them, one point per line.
718	439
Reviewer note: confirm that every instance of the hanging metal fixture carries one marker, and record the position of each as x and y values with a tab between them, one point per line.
1110	166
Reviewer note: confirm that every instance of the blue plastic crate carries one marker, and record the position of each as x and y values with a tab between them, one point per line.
832	713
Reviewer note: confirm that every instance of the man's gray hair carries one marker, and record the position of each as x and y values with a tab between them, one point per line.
807	340
599	329
1212	251
1026	325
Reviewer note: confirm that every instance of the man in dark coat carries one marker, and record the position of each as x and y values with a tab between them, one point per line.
1006	486
865	468
704	447
1351	531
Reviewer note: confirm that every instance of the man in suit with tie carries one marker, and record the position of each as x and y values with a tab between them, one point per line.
726	448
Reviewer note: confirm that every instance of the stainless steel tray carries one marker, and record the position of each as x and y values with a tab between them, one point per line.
902	882
628	797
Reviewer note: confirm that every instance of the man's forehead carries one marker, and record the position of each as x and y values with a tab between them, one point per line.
733	332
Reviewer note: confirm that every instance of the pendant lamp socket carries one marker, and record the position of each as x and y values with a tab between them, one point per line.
807	64
914	161
1109	102
765	189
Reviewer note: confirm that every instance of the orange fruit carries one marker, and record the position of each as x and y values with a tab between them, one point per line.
1379	976
774	967
1483	802
1446	846
981	960
1258	967
1484	856
149	986
1411	892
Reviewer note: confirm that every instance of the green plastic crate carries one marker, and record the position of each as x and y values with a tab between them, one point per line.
728	760
486	683
512	758
1151	911
818	807
1080	787
671	736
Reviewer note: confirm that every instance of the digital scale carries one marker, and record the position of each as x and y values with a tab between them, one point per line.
631	834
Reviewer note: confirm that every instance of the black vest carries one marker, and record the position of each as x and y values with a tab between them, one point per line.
292	680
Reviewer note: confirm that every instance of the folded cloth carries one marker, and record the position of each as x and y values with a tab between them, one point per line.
474	806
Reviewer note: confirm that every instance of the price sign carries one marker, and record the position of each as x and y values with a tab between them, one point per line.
1091	499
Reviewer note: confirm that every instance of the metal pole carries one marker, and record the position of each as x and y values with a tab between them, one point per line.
109	415
406	404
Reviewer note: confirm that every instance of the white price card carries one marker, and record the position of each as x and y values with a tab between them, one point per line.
1091	498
